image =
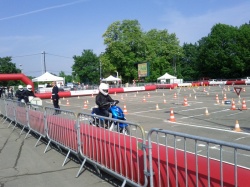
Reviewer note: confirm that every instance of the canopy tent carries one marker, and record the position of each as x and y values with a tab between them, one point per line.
166	76
111	79
47	77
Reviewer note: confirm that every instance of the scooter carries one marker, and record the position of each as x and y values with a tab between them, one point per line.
112	125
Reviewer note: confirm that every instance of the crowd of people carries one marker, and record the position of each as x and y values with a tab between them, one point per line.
22	95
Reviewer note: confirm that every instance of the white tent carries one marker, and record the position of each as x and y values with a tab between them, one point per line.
166	76
111	79
47	77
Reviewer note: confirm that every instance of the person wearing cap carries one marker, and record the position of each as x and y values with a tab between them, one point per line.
55	97
20	93
28	94
102	99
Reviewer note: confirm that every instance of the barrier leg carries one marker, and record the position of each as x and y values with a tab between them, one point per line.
14	126
4	120
80	170
66	158
38	140
27	134
47	147
10	124
22	130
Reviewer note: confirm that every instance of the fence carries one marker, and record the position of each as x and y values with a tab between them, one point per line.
163	158
175	160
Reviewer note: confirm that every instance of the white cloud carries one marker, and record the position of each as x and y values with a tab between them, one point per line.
191	29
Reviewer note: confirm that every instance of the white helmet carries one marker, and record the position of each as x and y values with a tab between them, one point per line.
20	87
29	87
103	88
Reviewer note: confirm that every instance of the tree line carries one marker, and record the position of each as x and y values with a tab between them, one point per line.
224	53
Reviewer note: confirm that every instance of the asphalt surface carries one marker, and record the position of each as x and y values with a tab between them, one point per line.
22	164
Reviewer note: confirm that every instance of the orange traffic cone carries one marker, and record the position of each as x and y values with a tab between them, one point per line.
225	97
206	112
244	106
175	95
164	101
172	118
121	97
144	99
204	89
244	90
92	95
67	102
78	97
157	107
85	106
148	95
237	126
233	105
217	98
185	103
125	109
115	93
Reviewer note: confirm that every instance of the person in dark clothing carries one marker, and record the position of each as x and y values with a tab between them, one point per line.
55	97
28	94
20	93
102	99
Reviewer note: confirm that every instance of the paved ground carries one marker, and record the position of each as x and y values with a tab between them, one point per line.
22	164
18	165
191	119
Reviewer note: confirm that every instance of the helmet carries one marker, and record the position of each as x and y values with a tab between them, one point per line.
20	87
29	87
103	88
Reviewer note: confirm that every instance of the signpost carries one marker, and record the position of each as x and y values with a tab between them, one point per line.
237	91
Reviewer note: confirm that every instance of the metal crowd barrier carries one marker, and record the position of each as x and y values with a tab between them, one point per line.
36	121
174	160
165	158
121	155
61	129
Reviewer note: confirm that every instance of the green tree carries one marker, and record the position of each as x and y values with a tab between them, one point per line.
218	54
86	67
162	52
6	66
123	41
67	78
127	46
188	62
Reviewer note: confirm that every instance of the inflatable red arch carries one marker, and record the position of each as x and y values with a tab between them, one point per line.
15	77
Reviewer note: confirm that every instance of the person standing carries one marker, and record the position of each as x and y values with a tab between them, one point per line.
55	97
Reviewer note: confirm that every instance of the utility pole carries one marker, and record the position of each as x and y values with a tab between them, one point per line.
44	64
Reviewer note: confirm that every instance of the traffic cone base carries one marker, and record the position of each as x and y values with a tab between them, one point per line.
244	106
237	127
157	107
125	109
206	112
233	105
185	103
172	118
85	106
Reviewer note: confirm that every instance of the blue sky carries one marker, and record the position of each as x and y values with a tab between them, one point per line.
64	28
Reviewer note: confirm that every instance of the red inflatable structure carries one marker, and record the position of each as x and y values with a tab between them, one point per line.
16	77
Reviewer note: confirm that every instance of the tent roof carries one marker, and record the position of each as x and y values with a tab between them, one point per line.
47	77
166	76
111	78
